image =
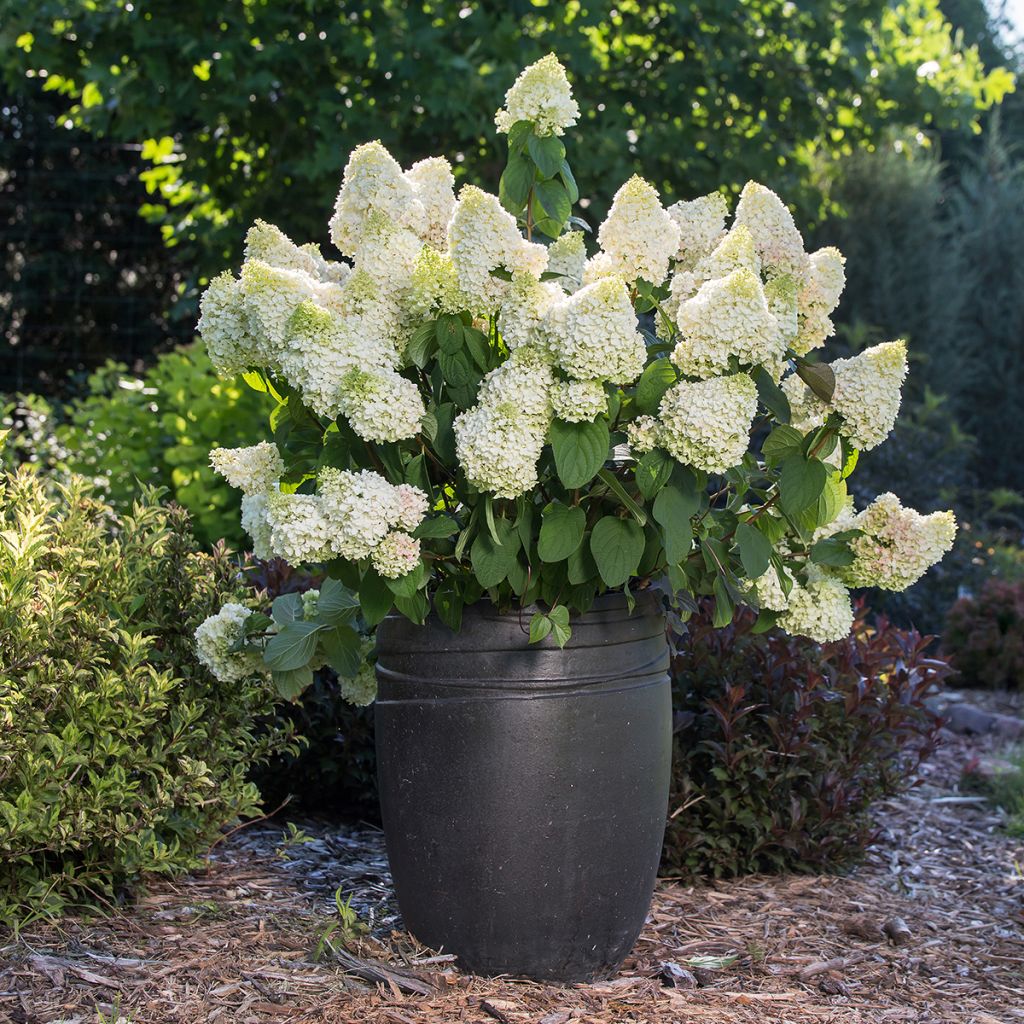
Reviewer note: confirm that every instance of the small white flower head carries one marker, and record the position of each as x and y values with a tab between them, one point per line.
577	401
768	591
821	610
412	505
735	251
728	317
434	285
807	411
567	256
899	545
434	185
373	181
541	94
224	326
396	555
310	604
817	297
781	294
361	689
272	246
483	236
270	296
359	508
255	470
256	524
525	308
868	392
638	235
706	424
298	530
387	254
598	267
643	434
216	634
815	328
381	405
776	237
328	271
594	334
701	223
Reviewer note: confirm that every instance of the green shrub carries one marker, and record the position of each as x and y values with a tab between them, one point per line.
985	636
120	755
158	429
782	745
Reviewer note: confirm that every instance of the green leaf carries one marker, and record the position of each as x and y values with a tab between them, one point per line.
560	629
834	551
617	546
407	585
561	531
478	348
676	504
436	527
850	457
724	607
286	608
337	604
653	471
540	626
554	199
518	134
422	344
765	620
580	450
255	380
800	483
450	331
444	442
772	397
414	608
782	441
343	649
581	566
493	561
448	604
375	598
293	646
565	173
515	182
547	152
755	550
291	683
627	499
819	377
653	383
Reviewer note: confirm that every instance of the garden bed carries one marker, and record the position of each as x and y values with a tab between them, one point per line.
234	944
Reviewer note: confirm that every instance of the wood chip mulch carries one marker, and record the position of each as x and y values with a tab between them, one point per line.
929	929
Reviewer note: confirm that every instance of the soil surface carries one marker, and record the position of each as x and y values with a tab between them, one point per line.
929	928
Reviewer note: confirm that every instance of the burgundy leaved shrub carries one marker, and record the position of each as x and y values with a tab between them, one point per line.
782	745
984	636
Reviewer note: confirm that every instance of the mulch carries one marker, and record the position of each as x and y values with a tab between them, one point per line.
930	928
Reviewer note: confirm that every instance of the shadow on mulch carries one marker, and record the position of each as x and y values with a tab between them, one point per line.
235	943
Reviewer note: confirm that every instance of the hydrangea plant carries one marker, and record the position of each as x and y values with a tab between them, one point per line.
477	403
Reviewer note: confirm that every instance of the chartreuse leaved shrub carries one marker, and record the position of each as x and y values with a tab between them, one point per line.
782	744
468	407
120	754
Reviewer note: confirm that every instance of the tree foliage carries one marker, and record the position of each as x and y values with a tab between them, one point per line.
233	103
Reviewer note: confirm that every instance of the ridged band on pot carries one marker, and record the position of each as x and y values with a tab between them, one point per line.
524	788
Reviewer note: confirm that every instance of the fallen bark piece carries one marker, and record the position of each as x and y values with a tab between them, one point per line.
374	970
864	926
898	931
831	986
674	976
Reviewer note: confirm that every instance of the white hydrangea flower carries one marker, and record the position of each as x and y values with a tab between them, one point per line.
768	591
817	297
373	181
815	328
434	185
381	405
643	434
594	333
734	251
728	317
298	530
807	411
396	555
540	94
899	544
567	256
216	634
224	326
328	271
434	286
706	424
257	525
868	392
526	305
638	236
270	296
411	507
776	237
499	441
821	610
255	470
483	236
578	400
388	254
310	604
359	508
361	689
781	294
701	224
269	244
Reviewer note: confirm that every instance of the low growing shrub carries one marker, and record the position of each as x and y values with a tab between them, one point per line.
985	636
782	745
120	754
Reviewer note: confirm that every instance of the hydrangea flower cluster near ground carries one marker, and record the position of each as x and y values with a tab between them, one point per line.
475	381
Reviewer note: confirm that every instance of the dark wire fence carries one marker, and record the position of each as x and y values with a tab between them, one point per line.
83	277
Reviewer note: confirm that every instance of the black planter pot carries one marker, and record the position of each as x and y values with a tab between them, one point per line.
524	788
